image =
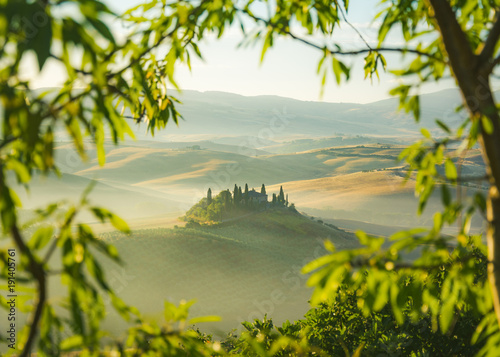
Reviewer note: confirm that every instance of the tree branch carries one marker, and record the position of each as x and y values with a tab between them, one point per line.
50	251
39	274
491	65
485	57
158	43
462	59
369	49
6	142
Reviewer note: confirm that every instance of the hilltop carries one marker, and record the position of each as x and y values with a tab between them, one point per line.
240	270
227	206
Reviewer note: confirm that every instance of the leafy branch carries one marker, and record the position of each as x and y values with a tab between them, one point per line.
284	31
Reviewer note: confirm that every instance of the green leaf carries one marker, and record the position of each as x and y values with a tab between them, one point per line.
197	320
413	105
22	172
119	223
450	170
337	70
87	191
268	42
426	133
96	271
99	142
72	342
41	237
363	237
68	256
445	195
329	246
447	315
396	308
407	234
487	125
317	263
102	29
170	311
443	126
438	221
42	41
120	307
382	296
480	201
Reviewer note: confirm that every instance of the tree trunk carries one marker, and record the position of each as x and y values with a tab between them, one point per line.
490	145
472	72
484	106
493	237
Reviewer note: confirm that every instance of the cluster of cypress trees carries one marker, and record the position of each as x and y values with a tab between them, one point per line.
240	198
280	200
229	204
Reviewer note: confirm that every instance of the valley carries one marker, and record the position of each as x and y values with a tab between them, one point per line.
342	175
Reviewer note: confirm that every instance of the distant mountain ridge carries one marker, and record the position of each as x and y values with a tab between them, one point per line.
266	119
274	117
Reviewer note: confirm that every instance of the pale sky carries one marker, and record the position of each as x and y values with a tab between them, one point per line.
289	69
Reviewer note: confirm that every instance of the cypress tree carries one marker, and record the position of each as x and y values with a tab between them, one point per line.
245	197
209	196
236	198
263	189
286	203
281	197
274	199
227	199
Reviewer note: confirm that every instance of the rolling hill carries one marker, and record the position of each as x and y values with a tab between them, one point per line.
240	270
343	182
336	161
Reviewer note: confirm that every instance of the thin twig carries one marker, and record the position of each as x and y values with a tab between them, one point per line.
51	250
353	27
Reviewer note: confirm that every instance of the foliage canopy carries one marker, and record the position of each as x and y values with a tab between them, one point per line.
110	78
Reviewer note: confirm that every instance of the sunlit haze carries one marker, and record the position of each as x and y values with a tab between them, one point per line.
289	69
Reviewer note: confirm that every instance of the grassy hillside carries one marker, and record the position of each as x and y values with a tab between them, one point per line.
239	270
169	170
127	201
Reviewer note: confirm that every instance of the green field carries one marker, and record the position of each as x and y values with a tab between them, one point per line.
239	271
